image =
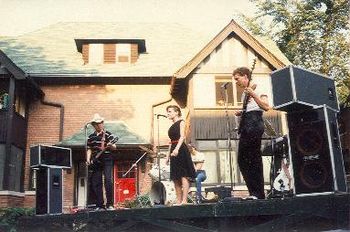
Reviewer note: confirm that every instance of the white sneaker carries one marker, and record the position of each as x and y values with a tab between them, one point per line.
98	209
251	198
110	208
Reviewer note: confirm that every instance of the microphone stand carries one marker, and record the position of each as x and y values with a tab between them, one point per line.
134	165
86	192
228	128
161	199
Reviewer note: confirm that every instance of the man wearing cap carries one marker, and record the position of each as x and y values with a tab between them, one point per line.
100	140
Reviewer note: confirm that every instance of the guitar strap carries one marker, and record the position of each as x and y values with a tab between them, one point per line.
103	139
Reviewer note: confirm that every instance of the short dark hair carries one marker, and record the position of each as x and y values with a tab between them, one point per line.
242	71
176	109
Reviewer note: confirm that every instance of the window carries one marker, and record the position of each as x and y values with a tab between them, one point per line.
15	171
123	52
20	100
96	53
233	90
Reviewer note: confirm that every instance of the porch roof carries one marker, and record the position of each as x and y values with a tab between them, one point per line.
127	138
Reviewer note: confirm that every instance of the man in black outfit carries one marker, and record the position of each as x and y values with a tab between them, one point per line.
251	129
99	141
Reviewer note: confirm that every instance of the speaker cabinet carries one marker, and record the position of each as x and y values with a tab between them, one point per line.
49	194
299	89
315	152
50	156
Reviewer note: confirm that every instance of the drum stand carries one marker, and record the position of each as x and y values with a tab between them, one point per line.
269	131
134	165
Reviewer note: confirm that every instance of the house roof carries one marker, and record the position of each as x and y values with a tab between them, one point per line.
53	49
126	137
170	48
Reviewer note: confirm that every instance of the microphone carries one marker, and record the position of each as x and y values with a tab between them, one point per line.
160	115
225	85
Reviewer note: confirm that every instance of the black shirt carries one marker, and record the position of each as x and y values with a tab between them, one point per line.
94	143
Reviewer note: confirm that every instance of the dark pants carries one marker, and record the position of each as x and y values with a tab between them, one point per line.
96	181
249	153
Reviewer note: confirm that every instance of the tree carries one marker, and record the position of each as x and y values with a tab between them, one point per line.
313	34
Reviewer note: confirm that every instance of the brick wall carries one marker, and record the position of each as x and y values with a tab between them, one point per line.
11	201
29	200
123	102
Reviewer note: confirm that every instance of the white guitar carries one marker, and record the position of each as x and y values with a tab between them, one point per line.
283	181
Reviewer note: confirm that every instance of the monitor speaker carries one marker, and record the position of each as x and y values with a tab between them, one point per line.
50	156
316	155
296	89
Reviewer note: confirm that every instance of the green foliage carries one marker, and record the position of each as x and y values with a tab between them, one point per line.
313	34
9	217
142	201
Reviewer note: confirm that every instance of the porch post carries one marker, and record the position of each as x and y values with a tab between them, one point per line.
9	120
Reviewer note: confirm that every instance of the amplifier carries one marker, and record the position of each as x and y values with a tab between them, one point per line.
50	156
297	89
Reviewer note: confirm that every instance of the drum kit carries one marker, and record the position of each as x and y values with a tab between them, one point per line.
163	188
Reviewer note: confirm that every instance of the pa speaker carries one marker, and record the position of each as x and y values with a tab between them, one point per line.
49	194
50	156
316	155
299	89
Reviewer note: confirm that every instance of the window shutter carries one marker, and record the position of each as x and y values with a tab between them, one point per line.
109	53
85	52
134	53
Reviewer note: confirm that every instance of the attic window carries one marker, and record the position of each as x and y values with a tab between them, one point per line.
110	51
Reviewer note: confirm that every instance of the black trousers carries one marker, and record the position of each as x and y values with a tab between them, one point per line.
96	180
249	153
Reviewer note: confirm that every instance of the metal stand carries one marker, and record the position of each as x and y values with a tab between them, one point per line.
134	165
228	128
161	199
86	169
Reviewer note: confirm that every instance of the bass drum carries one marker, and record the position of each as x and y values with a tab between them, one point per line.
166	189
164	173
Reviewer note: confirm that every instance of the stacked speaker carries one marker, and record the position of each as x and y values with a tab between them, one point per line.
314	147
48	163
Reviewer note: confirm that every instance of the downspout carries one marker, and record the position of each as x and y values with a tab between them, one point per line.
61	106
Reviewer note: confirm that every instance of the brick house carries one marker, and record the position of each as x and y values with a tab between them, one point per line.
53	80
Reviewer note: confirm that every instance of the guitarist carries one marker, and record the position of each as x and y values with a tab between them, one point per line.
251	129
100	141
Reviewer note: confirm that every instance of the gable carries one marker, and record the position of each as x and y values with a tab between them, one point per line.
273	57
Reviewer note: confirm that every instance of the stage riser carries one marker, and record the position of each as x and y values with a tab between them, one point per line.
289	214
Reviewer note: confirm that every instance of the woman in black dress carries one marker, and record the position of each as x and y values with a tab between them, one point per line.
181	166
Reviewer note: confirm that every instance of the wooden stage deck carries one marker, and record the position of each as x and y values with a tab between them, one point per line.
308	213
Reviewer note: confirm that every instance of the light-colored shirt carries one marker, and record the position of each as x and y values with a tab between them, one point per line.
198	157
252	105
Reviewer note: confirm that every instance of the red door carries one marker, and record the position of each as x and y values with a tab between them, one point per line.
124	187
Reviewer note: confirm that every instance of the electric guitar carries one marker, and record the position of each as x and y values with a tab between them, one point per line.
283	181
95	161
246	98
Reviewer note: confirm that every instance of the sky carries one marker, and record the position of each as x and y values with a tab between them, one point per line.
22	16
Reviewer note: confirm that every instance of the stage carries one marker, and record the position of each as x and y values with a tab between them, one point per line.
307	213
